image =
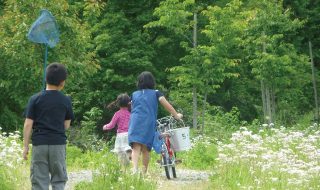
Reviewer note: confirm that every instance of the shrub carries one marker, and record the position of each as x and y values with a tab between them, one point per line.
85	136
201	156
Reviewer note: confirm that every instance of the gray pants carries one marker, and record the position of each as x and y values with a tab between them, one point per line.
48	165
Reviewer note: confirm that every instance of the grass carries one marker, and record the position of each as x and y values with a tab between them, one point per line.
272	158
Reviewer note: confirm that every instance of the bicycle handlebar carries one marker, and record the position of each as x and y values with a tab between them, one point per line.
168	122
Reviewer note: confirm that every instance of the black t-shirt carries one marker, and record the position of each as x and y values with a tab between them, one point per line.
48	110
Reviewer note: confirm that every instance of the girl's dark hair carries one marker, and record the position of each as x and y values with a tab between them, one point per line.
123	100
55	74
146	81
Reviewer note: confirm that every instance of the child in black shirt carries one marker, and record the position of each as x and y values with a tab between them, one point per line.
48	115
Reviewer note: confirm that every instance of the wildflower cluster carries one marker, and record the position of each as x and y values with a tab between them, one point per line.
205	140
10	149
273	158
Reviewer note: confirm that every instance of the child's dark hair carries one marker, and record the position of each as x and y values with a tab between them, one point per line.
123	100
146	81
55	74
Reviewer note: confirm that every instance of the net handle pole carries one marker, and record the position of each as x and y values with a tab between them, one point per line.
44	67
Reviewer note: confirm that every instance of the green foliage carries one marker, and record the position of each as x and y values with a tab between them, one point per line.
21	61
174	15
275	61
90	119
114	179
221	124
106	44
4	183
202	156
109	173
306	10
9	119
91	159
85	135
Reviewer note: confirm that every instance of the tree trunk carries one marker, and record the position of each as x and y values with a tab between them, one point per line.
269	115
314	81
263	96
265	92
194	90
194	106
267	95
204	109
273	105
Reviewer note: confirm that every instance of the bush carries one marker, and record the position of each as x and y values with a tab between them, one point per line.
220	124
85	136
202	154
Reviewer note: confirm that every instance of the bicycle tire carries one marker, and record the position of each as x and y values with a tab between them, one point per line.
173	164
166	167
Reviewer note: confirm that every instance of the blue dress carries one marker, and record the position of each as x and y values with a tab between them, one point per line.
143	116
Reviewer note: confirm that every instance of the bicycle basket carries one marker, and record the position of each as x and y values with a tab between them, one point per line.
180	139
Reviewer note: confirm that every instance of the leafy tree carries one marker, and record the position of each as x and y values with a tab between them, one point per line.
21	61
123	51
275	62
176	17
221	53
308	36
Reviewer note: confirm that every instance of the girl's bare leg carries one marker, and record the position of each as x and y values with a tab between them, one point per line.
145	158
136	150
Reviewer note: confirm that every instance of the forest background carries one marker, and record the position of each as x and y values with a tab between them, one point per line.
251	61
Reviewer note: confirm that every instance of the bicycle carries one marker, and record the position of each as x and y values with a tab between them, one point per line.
168	155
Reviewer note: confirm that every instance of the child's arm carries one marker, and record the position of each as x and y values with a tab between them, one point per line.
27	130
169	108
67	124
112	123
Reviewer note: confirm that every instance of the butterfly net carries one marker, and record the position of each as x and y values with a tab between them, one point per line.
44	30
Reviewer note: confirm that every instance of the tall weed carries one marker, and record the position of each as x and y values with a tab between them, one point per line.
201	156
108	174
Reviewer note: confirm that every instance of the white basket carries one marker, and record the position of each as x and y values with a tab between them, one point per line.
180	139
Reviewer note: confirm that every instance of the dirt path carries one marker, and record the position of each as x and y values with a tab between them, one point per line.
76	177
186	180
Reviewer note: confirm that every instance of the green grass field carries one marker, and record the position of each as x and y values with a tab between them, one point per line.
272	158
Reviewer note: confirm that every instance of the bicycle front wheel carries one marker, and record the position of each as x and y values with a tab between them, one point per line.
169	166
165	160
174	171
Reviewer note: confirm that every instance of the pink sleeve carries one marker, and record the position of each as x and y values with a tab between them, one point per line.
112	123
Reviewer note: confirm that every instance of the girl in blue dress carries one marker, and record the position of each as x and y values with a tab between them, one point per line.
143	118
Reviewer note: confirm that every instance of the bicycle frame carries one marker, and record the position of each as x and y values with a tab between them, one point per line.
167	152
